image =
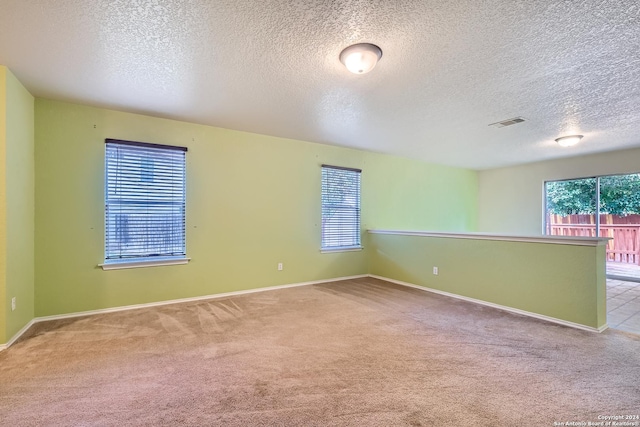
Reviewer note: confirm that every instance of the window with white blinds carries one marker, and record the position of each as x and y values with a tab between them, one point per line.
144	201
340	208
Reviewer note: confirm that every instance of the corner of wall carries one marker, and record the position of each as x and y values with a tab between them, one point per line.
17	206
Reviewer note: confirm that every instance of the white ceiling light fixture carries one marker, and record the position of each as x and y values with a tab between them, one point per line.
361	58
568	141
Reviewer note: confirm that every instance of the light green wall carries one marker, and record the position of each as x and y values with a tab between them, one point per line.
17	204
252	201
561	281
410	195
511	199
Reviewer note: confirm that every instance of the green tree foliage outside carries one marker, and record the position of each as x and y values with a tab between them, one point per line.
619	195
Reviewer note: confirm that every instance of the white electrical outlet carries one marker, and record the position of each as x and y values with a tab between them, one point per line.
435	271
13	303
279	266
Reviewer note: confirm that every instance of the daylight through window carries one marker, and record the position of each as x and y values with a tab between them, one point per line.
340	208
144	201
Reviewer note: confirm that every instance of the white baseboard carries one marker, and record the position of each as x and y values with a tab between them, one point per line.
191	299
167	302
18	334
498	306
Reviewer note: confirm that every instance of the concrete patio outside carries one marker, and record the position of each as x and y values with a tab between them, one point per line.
622	271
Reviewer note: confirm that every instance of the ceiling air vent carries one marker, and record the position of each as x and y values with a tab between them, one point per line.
508	122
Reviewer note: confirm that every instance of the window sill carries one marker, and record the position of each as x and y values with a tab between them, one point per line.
346	249
142	264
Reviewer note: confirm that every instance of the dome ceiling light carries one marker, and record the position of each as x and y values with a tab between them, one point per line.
568	141
361	58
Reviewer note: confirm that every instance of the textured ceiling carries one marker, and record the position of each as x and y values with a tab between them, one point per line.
449	69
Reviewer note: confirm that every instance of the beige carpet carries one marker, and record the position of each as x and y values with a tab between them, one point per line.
361	353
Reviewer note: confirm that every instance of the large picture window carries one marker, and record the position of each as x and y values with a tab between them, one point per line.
340	208
144	202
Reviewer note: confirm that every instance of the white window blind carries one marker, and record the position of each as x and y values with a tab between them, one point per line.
340	208
144	201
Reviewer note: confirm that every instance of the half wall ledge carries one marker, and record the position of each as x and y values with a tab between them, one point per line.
556	240
551	277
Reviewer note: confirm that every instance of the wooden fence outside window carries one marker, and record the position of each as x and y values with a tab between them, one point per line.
624	230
